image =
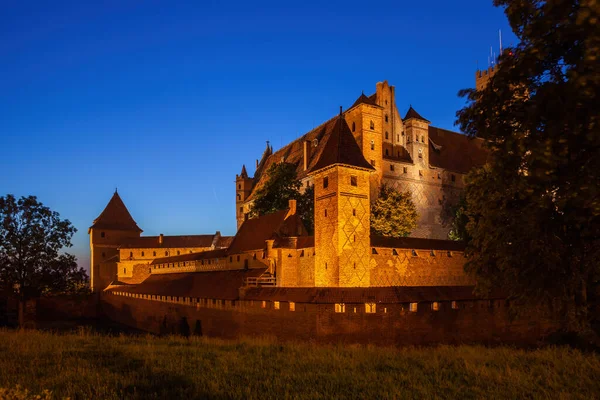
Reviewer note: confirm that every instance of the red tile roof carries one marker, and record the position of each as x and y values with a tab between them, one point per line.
365	100
385	295
211	284
411	113
454	151
417	243
341	148
202	255
115	216
169	242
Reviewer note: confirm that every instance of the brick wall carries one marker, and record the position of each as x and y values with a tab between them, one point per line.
483	321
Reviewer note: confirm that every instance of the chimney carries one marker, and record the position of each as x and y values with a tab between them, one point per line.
292	207
257	163
306	154
160	239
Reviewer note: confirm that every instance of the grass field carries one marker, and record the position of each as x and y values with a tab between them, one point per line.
85	365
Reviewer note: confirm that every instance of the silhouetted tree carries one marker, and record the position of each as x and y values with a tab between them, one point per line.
393	214
281	186
534	210
31	239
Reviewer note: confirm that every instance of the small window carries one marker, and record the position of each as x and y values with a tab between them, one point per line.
387	135
374	251
131	254
435	306
353	180
354	212
292	306
370	308
153	254
150	270
340	307
325	182
422	139
394	252
453	178
386	118
240	186
439	176
325	212
449	254
398	138
353	127
238	258
413	307
391	167
405	170
239	196
276	305
263	304
178	252
166	253
372	145
454	305
142	254
387	153
372	125
432	254
414	253
420	153
124	271
102	234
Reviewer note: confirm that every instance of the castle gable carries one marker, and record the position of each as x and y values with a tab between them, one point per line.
115	217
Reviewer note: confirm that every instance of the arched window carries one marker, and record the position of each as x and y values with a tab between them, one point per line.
372	125
166	253
178	253
142	254
387	136
353	127
422	139
153	254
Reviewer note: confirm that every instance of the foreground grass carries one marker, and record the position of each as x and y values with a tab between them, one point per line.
94	366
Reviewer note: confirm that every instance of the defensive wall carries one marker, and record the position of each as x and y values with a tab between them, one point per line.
381	316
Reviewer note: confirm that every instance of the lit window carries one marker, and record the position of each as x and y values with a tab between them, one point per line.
325	182
263	304
276	305
435	306
370	308
340	307
413	307
353	180
454	305
292	306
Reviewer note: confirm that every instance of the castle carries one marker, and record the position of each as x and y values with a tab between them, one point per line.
273	264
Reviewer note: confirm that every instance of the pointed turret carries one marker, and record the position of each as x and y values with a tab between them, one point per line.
244	173
411	113
341	148
115	217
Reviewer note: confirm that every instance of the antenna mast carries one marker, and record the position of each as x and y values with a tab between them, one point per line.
500	34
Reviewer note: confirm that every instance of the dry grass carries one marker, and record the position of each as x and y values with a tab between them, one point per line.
86	365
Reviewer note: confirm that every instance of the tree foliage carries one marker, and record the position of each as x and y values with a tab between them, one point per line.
534	210
281	186
454	215
393	214
31	239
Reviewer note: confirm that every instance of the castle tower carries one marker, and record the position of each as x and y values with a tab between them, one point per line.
417	137
112	227
243	187
482	78
342	211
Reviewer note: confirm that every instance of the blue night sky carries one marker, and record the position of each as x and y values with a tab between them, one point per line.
166	99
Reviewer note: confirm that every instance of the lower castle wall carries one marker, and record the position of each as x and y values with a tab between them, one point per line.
482	321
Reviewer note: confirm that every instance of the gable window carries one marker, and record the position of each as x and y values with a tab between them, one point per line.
340	307
370	308
353	180
325	182
372	145
372	125
353	127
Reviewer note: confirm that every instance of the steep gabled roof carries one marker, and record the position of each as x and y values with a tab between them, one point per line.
454	151
411	113
244	173
365	100
115	216
341	148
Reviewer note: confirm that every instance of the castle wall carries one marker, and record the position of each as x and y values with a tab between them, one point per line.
484	321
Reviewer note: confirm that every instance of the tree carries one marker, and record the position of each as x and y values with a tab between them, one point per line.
454	215
281	186
31	238
393	214
534	210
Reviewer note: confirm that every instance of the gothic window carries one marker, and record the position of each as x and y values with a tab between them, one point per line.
372	145
102	234
325	182
372	125
387	135
340	307
353	180
370	308
353	127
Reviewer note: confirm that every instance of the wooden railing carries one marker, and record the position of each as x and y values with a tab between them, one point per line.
261	281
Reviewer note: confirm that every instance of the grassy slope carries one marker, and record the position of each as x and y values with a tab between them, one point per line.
94	366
